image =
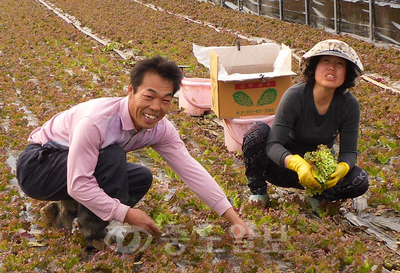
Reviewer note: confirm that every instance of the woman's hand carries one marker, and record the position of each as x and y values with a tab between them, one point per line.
341	170
306	177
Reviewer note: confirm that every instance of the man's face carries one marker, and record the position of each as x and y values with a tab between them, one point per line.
151	101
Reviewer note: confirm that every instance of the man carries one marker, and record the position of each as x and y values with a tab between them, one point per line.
80	154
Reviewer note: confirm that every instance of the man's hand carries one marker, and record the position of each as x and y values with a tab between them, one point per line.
139	218
341	170
306	177
241	231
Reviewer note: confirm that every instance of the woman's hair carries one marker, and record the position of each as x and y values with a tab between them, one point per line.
350	78
161	66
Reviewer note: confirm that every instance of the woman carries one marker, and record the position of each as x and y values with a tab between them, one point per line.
316	111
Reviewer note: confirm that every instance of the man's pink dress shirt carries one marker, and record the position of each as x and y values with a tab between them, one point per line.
91	126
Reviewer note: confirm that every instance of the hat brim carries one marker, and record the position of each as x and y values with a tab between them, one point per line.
337	54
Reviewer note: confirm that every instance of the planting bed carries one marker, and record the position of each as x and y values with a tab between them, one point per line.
48	65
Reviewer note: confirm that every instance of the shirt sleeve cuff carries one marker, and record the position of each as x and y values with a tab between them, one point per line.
120	212
222	206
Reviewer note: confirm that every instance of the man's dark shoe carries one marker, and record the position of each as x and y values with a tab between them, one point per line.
92	227
59	214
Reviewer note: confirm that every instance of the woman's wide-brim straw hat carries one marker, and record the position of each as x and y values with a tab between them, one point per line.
333	48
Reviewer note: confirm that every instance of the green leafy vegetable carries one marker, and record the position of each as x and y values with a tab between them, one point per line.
323	164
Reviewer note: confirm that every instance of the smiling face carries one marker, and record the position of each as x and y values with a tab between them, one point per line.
330	72
151	102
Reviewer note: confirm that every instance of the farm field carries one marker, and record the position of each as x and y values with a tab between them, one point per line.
51	60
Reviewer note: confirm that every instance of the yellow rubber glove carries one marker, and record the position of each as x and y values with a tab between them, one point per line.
341	170
298	164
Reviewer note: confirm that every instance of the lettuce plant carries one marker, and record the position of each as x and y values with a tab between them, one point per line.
323	164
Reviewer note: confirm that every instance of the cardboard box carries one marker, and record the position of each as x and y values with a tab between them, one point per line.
249	80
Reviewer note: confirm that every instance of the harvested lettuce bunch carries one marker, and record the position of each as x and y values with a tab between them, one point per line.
323	164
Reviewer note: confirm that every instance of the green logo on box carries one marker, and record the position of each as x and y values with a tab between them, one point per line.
267	97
